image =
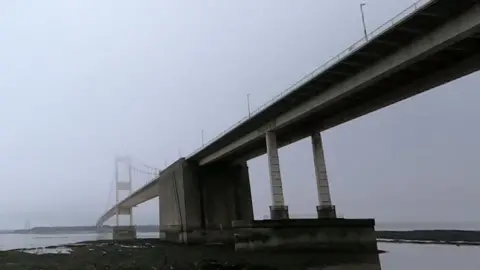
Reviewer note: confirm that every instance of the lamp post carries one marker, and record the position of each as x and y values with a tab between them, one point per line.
363	21
248	105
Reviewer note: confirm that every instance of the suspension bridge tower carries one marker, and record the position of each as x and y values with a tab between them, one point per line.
122	185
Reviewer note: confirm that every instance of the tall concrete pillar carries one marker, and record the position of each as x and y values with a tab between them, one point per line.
278	209
325	209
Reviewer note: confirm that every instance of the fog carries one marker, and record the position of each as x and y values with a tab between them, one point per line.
83	81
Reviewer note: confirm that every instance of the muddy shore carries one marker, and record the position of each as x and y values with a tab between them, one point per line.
153	254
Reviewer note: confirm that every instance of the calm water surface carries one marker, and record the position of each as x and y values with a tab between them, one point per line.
398	256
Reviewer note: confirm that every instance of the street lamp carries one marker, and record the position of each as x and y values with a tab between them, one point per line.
363	21
248	105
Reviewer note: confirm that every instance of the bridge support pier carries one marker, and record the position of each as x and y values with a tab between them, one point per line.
124	232
325	209
278	210
200	204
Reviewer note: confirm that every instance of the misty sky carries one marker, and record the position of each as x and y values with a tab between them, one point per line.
84	80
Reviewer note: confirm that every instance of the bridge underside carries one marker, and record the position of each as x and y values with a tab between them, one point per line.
437	44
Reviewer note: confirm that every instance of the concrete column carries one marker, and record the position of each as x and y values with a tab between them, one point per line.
278	209
243	194
325	209
117	217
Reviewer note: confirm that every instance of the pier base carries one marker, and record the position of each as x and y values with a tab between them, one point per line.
325	235
124	233
326	211
278	212
307	234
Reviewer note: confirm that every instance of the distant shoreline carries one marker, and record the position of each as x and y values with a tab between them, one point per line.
425	242
157	254
445	237
76	230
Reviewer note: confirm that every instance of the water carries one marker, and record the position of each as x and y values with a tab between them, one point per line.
426	257
398	256
407	226
16	241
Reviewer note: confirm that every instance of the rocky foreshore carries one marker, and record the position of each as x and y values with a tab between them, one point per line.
153	254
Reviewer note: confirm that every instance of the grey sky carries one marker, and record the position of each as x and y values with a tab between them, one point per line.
84	80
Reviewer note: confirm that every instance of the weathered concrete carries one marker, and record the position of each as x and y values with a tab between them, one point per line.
226	195
325	209
124	233
199	204
279	212
176	195
302	234
278	209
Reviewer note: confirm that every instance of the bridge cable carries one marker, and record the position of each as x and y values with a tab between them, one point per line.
178	207
110	191
149	167
142	171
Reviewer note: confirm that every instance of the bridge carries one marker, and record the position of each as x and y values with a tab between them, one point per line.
428	44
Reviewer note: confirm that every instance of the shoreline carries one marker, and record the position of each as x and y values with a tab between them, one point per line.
422	242
143	254
158	254
436	237
414	235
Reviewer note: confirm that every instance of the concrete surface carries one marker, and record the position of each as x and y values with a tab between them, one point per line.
195	201
278	212
274	172
124	233
308	234
226	195
176	196
326	211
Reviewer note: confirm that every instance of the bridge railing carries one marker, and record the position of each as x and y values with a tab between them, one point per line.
354	47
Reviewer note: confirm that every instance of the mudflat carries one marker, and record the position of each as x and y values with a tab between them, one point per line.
154	254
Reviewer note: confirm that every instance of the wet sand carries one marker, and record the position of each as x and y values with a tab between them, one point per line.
154	254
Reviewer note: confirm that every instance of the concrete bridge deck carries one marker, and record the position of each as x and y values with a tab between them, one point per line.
436	43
